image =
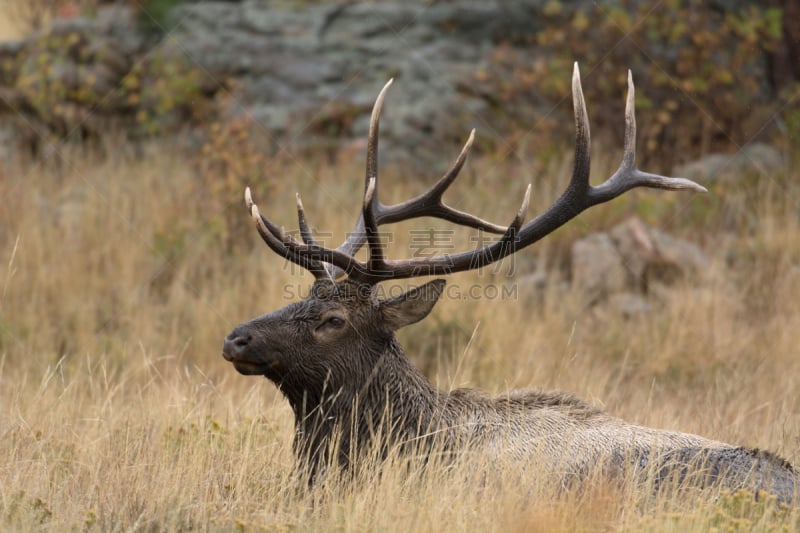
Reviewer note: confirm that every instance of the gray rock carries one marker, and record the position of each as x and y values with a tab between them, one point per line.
636	249
597	268
630	259
754	158
339	56
629	304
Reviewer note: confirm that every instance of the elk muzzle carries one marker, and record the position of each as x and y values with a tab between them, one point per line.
237	349
236	344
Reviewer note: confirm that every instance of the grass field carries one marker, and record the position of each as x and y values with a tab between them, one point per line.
119	278
118	412
12	24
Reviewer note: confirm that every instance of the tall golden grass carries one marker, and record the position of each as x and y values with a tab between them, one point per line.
118	412
8	31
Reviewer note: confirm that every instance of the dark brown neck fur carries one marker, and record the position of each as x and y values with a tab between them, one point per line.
384	397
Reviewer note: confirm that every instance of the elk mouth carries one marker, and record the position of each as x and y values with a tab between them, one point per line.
248	368
246	355
251	368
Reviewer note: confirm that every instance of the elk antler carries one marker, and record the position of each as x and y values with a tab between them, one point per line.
578	196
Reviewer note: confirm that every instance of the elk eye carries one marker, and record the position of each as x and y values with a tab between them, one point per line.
334	322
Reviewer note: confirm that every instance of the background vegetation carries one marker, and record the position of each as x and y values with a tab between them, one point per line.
121	274
712	77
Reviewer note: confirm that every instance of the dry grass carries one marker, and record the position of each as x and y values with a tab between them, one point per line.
119	414
8	30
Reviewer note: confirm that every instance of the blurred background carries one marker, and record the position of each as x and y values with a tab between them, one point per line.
143	121
712	77
130	128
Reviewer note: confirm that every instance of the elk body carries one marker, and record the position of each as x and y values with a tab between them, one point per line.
335	356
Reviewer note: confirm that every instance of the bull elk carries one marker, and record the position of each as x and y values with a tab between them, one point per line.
336	359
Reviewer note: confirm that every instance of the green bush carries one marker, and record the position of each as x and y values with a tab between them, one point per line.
80	81
155	16
701	72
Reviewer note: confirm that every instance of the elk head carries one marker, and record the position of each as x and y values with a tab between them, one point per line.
334	339
331	341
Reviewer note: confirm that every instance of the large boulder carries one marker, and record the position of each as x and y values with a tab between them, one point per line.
311	74
598	269
625	263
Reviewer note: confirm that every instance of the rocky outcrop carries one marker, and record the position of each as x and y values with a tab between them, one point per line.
624	264
624	270
305	75
318	70
308	72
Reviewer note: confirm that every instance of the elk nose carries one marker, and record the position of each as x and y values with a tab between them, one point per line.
235	343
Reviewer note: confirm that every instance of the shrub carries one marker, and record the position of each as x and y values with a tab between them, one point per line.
701	71
231	158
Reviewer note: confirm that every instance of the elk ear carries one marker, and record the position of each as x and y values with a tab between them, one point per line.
412	306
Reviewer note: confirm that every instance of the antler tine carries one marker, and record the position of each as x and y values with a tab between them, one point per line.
313	258
356	238
443	265
371	202
372	140
508	241
319	255
265	225
628	176
271	233
305	231
629	146
523	210
371	227
511	236
248	199
449	177
277	240
430	202
579	183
